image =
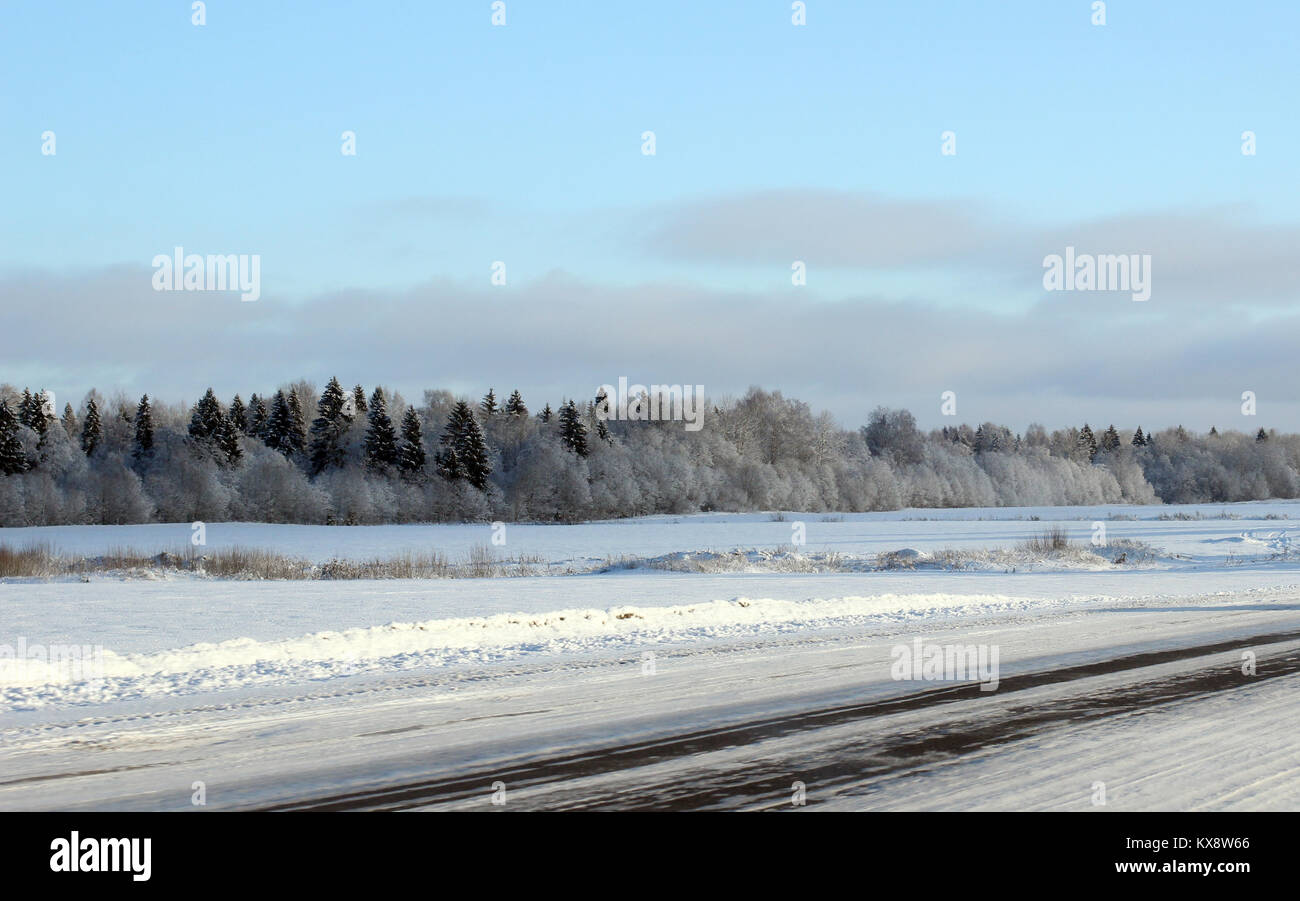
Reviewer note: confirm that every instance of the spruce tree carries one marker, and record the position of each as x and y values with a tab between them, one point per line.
226	441
1261	435
1087	442
143	429
206	419
515	404
90	428
40	414
359	400
25	416
489	404
1110	440
572	432
464	451
445	459
328	428
69	421
410	455
472	451
381	440
278	425
12	459
602	404
546	414
297	436
257	417
1139	440
239	415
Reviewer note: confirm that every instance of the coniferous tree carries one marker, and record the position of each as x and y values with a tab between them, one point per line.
410	455
328	428
515	404
206	418
445	459
258	417
143	429
359	400
1214	432
1139	440
489	404
297	424
1110	440
381	441
1261	435
602	430
226	440
90	428
279	424
472	451
25	416
546	414
12	459
41	414
239	415
464	450
1087	441
69	421
572	432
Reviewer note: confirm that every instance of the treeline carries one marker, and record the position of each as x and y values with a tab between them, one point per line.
352	456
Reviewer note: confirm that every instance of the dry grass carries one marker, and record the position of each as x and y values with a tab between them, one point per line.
778	560
40	561
251	563
33	561
1051	541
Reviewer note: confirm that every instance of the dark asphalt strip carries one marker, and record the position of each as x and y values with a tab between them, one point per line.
853	761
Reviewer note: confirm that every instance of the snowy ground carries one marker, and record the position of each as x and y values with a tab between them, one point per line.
640	688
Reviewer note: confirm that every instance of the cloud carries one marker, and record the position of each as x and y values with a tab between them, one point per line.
1094	357
833	228
1200	256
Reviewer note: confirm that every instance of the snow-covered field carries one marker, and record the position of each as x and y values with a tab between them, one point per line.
647	688
1215	530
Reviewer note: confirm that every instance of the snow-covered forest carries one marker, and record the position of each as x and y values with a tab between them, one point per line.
348	455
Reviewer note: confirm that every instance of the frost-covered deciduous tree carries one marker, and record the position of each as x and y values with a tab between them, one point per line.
123	461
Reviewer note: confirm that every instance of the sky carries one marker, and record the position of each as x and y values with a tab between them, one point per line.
774	143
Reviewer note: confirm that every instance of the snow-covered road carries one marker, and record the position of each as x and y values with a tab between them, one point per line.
735	723
1170	686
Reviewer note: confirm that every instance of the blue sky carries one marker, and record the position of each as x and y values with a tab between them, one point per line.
522	143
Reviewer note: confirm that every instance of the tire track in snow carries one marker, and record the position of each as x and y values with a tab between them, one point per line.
705	786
